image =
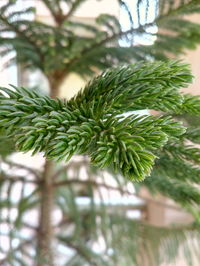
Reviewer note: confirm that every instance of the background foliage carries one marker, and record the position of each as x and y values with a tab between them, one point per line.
97	233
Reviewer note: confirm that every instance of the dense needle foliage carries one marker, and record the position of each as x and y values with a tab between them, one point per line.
100	122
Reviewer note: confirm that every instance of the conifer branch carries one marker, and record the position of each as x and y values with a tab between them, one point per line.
25	243
182	193
14	178
140	29
121	190
95	123
24	37
73	8
91	123
32	171
51	7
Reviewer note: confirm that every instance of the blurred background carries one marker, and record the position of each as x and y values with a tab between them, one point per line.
87	196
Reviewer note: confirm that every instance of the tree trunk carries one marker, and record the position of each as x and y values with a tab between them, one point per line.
45	256
45	232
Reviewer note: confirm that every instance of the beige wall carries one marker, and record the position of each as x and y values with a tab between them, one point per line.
193	58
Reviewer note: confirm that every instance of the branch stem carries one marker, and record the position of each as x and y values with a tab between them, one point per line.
119	189
117	35
33	171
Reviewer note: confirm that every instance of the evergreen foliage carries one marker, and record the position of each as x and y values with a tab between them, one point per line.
37	44
126	241
95	123
62	129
